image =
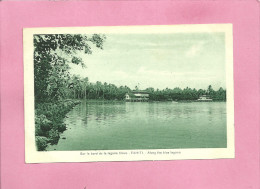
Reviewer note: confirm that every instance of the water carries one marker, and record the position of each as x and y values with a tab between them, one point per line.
98	125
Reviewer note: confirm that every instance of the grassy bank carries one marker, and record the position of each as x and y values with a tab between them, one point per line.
49	121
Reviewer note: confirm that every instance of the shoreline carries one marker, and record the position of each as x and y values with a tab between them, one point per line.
49	121
150	101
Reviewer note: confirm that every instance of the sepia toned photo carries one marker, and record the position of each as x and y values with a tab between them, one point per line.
128	93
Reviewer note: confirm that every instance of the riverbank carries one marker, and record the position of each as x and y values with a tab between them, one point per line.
49	121
151	101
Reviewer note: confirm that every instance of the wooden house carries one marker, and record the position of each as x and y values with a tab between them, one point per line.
204	98
137	96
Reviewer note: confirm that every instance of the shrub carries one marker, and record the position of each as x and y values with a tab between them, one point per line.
49	121
61	127
41	143
42	125
54	136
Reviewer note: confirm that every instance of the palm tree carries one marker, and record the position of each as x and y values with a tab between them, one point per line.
75	84
85	85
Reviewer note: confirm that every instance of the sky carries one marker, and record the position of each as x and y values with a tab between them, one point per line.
194	60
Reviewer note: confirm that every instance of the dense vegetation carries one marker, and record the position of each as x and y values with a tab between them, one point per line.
53	55
84	90
186	94
49	121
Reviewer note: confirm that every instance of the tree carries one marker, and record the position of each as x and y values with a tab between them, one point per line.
210	90
52	55
85	84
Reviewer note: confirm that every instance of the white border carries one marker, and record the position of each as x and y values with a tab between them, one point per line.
34	156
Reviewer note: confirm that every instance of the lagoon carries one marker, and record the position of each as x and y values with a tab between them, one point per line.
119	125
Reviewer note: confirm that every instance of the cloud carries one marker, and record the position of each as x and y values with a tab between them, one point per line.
195	49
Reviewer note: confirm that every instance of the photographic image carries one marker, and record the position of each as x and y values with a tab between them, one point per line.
129	92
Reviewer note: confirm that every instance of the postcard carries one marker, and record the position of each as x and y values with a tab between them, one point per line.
128	93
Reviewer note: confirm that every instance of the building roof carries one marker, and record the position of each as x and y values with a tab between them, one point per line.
131	95
140	91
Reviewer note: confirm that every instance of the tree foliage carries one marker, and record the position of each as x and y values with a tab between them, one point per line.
52	55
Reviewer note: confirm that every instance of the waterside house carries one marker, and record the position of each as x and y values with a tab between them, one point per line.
204	98
137	96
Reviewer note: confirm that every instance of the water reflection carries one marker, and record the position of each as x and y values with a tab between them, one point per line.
100	125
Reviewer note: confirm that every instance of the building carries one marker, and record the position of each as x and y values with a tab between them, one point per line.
204	98
137	96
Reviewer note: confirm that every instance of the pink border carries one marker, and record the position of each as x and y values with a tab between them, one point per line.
240	173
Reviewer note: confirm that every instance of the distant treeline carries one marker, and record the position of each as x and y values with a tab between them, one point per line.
186	94
82	89
78	88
